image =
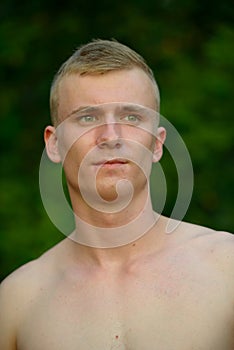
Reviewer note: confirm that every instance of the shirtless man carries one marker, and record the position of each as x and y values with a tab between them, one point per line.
157	291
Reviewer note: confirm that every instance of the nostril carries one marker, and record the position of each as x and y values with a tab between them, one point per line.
109	143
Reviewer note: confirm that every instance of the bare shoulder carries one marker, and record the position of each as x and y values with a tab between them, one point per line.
218	246
31	276
22	279
220	240
24	284
19	290
14	291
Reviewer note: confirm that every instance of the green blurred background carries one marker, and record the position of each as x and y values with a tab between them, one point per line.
188	44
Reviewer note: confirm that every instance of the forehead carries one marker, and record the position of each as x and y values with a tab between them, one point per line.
130	86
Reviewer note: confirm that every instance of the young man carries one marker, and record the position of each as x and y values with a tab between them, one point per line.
146	290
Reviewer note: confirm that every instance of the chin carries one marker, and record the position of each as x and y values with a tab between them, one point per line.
107	193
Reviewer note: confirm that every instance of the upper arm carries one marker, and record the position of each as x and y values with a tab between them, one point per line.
8	316
224	256
17	293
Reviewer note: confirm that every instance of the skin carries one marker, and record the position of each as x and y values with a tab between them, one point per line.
162	291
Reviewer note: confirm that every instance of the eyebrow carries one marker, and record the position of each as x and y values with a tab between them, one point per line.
131	108
90	109
82	109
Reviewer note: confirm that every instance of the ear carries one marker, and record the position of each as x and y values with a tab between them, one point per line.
158	147
51	142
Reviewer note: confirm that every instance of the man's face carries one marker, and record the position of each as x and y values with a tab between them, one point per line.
101	135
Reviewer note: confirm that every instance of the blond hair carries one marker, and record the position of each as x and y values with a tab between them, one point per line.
98	57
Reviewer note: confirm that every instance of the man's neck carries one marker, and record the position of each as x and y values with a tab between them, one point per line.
113	251
107	228
105	237
115	239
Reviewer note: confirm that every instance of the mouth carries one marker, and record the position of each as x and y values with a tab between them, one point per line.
114	162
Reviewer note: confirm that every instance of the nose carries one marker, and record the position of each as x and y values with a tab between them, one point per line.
109	136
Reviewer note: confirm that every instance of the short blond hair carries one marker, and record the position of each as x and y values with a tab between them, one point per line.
97	57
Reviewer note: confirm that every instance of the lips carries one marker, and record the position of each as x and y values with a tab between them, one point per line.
113	161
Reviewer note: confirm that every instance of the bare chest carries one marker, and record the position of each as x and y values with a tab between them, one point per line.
163	310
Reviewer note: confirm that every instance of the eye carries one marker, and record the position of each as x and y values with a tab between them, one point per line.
87	119
131	118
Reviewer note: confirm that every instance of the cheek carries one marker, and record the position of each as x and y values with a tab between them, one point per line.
142	138
74	144
81	149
